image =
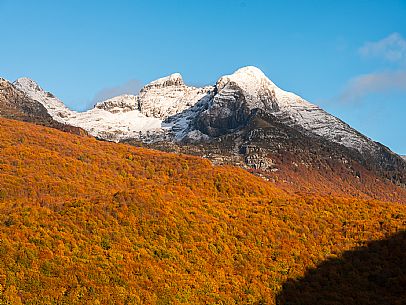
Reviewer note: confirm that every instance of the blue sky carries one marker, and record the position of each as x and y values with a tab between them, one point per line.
349	57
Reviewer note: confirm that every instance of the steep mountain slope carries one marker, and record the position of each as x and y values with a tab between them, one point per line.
91	222
15	104
53	105
242	110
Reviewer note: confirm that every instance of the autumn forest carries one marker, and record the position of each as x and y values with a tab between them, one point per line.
84	221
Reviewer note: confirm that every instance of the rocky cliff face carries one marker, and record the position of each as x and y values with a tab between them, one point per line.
122	103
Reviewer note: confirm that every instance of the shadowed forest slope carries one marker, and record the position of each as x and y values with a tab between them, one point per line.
90	222
373	274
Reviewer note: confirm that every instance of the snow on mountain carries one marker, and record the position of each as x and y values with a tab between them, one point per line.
113	119
169	96
115	125
55	107
297	111
167	108
127	116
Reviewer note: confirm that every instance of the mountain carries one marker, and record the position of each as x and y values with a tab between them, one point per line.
188	112
246	120
210	111
93	222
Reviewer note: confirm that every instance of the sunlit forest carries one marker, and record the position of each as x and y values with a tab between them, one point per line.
90	222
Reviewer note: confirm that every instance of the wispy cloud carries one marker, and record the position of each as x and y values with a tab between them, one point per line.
391	48
131	87
378	82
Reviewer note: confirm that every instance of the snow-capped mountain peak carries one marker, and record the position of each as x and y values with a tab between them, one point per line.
248	74
169	96
250	79
254	82
25	82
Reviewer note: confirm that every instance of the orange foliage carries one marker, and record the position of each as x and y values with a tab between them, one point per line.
90	222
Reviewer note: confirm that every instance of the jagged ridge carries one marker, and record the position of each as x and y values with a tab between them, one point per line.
228	102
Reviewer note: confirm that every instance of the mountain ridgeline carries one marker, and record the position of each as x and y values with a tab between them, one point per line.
244	120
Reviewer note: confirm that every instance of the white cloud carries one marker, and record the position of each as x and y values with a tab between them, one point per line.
373	83
391	48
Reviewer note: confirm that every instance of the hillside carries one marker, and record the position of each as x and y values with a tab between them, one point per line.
90	222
